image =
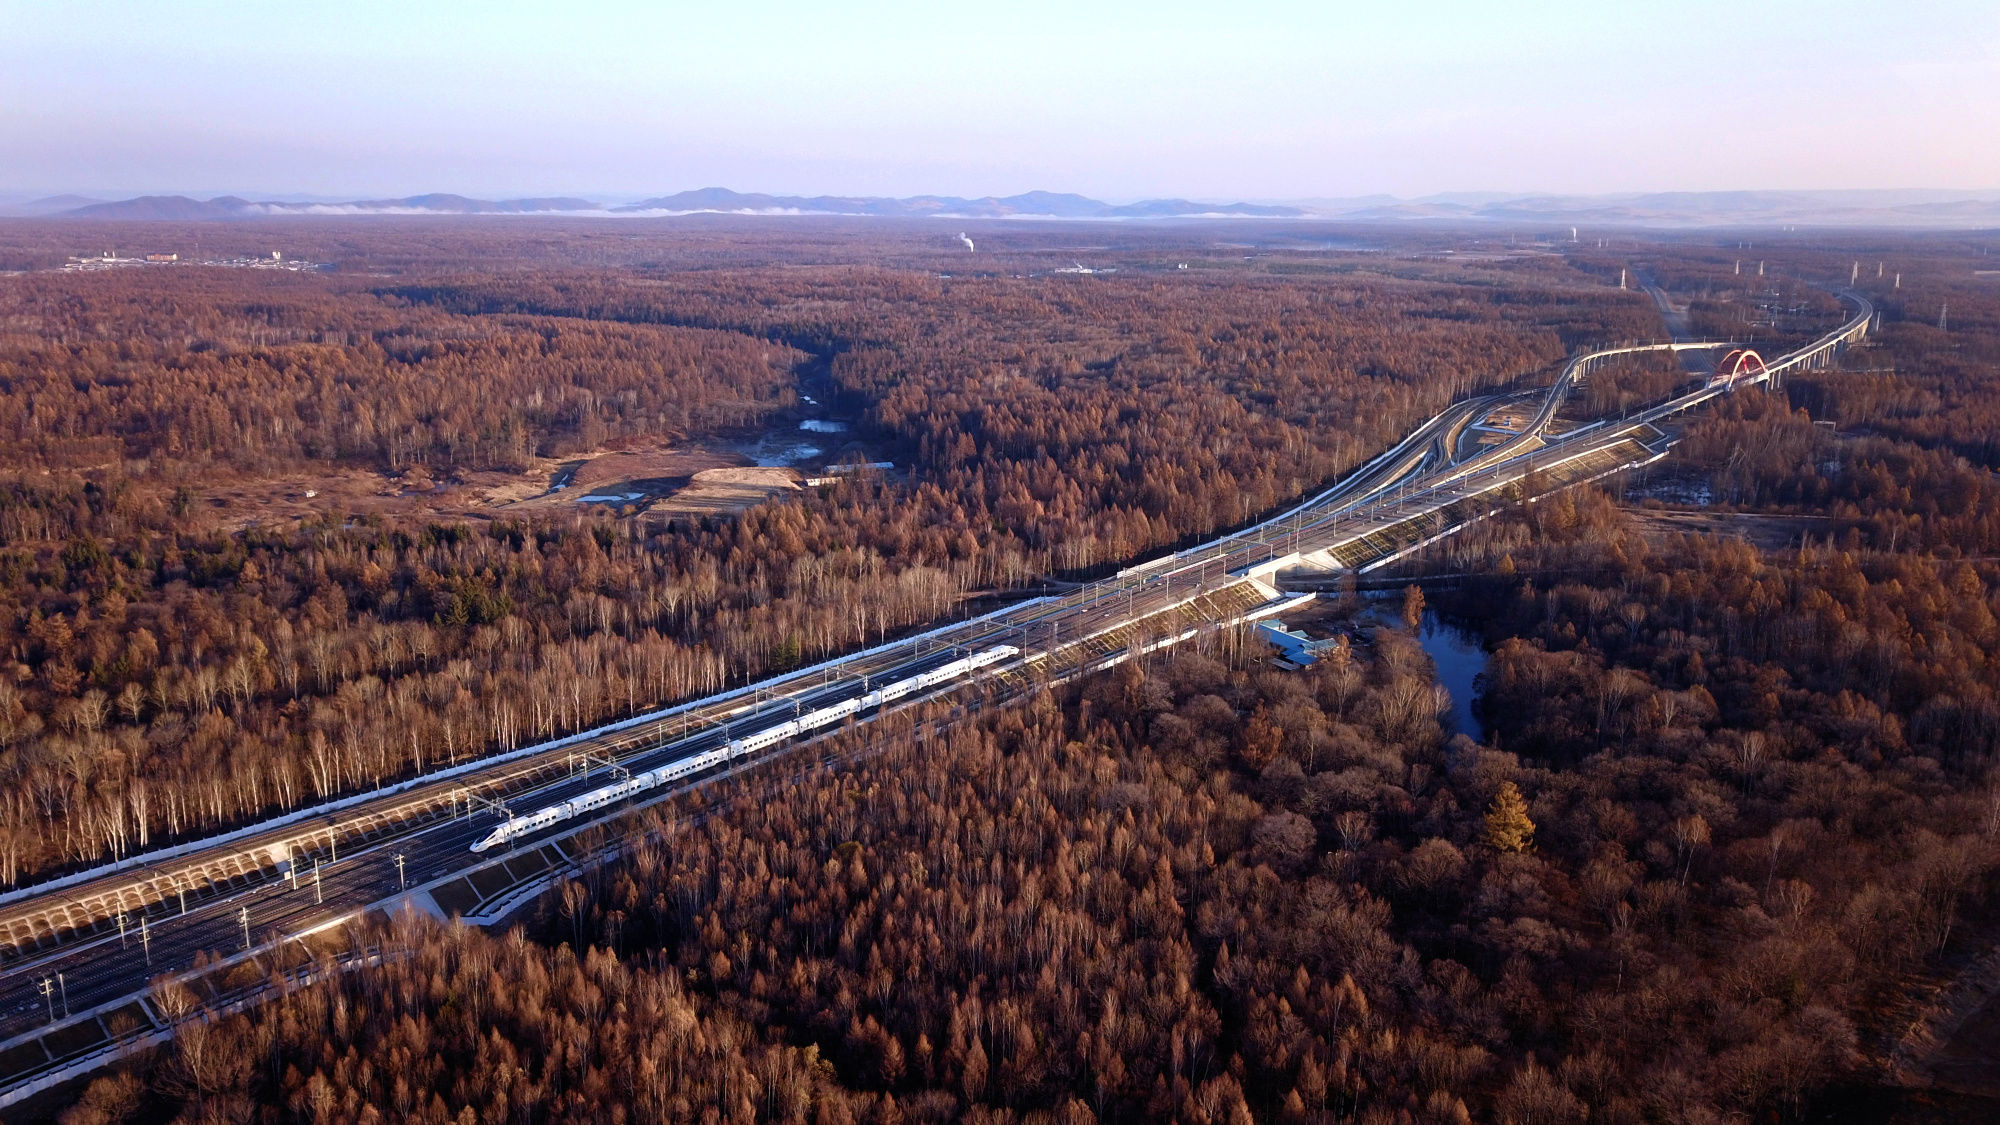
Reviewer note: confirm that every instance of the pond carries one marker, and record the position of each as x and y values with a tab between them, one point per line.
1460	660
1456	652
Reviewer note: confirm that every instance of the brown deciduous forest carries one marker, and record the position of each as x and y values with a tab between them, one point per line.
164	675
1733	825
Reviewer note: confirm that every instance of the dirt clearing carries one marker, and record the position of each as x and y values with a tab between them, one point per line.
1765	531
714	491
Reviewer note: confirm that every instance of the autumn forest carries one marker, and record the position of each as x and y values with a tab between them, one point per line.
1726	847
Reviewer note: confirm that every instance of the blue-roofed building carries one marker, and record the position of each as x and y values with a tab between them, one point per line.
1293	646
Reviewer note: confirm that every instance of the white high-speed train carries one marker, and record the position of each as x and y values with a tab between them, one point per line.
749	744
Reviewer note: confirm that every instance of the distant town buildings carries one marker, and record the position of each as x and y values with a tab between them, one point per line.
111	260
839	472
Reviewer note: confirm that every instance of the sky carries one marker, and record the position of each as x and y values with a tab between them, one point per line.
1219	100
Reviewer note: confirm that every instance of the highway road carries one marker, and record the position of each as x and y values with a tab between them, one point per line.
96	939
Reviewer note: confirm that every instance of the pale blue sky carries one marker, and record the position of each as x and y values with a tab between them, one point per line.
1221	99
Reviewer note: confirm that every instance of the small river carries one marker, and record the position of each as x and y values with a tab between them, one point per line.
1456	652
1460	660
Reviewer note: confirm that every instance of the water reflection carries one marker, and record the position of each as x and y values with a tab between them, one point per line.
1457	652
1460	660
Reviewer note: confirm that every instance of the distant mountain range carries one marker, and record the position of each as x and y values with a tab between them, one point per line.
1856	208
53	205
1907	209
1034	204
182	208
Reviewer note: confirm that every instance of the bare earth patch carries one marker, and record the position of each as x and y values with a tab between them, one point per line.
261	501
610	469
1765	531
669	481
1969	1062
672	481
715	491
1511	417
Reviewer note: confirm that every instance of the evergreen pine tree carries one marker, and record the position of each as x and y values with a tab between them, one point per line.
1507	825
